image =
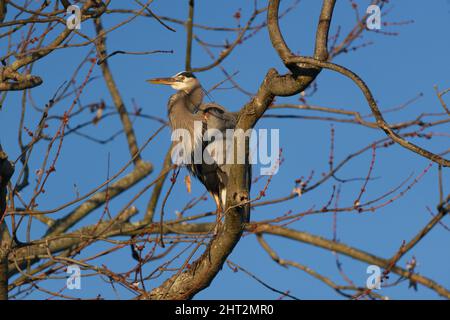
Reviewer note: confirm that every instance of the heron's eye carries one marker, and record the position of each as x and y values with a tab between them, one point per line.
181	78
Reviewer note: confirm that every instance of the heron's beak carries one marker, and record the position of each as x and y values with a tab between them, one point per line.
167	81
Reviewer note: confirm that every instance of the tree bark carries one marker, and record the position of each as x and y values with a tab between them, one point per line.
6	172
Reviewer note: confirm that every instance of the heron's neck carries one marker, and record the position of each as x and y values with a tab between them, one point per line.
195	97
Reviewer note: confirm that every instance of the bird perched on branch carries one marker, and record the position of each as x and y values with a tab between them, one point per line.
186	110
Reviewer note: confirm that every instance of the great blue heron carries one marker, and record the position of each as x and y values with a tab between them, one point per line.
185	108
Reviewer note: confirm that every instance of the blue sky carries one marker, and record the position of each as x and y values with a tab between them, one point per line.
397	69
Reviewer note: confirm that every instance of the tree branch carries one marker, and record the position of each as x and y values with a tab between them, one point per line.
6	172
348	251
115	94
374	108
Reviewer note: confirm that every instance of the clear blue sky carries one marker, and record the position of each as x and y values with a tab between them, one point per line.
397	68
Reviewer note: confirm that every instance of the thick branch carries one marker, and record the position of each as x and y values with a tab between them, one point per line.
350	252
189	27
14	81
60	243
3	10
3	270
321	50
117	99
302	74
202	271
6	172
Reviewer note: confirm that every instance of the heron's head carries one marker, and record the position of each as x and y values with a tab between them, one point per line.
185	81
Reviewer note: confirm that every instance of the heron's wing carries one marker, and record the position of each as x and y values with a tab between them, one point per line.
218	117
212	107
218	151
215	171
